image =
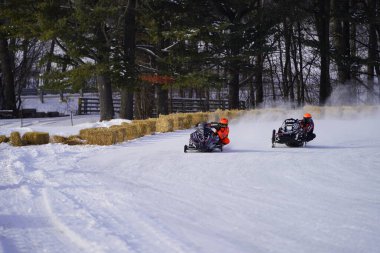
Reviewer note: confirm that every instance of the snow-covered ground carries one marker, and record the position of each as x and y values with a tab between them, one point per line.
148	196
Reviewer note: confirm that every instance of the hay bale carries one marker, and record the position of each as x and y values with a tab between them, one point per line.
141	127
3	138
148	127
84	133
131	131
187	123
218	114
120	132
58	139
15	139
198	117
178	121
151	125
98	136
35	138
164	124
74	140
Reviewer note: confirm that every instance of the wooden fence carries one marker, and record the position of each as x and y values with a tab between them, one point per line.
91	105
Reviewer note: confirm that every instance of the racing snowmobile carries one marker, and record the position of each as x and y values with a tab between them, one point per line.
204	139
290	133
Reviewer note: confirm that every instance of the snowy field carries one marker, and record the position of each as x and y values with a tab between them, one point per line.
148	196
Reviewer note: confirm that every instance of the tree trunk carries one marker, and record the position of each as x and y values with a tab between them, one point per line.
144	102
126	107
342	40
272	79
23	73
251	95
162	100
297	74
51	54
353	51
8	84
105	97
288	65
259	57
372	48
233	85
103	78
259	80
323	30
300	55
284	80
126	103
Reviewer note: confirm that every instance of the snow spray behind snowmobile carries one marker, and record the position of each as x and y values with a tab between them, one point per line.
290	133
203	139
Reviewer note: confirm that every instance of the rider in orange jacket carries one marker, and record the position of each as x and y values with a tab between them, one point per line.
222	130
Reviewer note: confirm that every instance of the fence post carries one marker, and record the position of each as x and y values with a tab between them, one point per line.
80	106
22	123
71	117
41	95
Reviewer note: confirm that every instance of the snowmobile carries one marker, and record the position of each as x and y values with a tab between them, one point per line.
290	133
204	139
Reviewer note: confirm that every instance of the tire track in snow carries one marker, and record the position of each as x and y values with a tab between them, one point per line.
160	234
74	237
11	172
56	175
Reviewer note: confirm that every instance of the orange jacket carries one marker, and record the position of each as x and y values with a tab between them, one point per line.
223	132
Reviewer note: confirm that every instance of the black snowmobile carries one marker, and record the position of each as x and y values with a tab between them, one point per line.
204	139
290	133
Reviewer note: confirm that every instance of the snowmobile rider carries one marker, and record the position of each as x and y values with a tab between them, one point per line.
222	130
307	124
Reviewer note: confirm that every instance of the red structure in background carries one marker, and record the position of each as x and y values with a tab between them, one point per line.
157	79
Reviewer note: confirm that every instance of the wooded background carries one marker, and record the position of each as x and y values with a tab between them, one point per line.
269	51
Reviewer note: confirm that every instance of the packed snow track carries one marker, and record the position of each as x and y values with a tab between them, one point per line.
148	196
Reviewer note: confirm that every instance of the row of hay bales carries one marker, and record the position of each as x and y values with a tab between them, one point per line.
168	123
138	128
28	138
124	132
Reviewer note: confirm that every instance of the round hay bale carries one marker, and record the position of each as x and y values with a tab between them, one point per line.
15	139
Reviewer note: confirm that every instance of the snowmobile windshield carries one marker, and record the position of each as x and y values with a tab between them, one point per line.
201	126
290	125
